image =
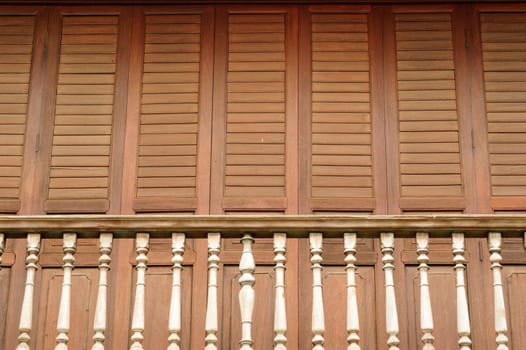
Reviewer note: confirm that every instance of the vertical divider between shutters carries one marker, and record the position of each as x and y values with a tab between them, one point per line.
291	113
131	137
460	50
119	111
44	138
305	110
30	176
206	85
219	111
478	114
378	111
390	109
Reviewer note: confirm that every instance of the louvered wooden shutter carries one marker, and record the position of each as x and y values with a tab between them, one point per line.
170	113
16	46
504	55
430	162
256	97
341	163
82	133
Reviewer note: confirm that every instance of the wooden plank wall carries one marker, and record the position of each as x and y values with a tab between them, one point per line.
275	109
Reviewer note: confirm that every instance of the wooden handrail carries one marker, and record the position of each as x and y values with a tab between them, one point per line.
264	225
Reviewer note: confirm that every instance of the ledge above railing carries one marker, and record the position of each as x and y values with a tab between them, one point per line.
295	226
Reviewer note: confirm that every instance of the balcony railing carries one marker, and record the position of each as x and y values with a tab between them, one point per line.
250	228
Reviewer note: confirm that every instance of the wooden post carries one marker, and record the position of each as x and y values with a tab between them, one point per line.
463	324
141	247
501	327
280	314
26	314
214	244
387	244
318	317
99	322
426	313
70	246
174	322
247	267
353	324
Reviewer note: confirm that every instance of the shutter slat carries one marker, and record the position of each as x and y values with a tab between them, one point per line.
341	158
255	128
502	35
81	148
169	107
428	121
16	39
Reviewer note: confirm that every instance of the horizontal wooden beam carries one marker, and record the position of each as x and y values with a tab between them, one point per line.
238	2
264	225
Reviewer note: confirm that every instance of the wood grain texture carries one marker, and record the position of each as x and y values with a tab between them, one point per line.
503	35
255	105
81	151
430	164
16	45
169	122
341	131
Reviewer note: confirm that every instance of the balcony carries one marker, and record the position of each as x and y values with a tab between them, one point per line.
270	313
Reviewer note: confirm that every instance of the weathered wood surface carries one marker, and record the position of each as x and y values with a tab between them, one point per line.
264	225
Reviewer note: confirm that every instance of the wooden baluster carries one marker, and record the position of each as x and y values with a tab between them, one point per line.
247	267
69	246
2	240
501	327
280	312
99	322
318	317
174	322
463	325
26	315
141	247
387	245
211	327
426	313
353	324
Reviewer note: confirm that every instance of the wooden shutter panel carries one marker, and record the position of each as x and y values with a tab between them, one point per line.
254	146
503	51
82	133
430	161
255	141
16	46
170	113
340	130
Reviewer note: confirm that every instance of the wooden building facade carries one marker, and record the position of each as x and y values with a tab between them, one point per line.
236	120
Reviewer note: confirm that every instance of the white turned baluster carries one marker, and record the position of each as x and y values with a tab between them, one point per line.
214	244
463	325
2	237
426	313
247	267
26	315
501	327
141	247
174	322
318	317
280	313
353	324
387	243
99	322
70	246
